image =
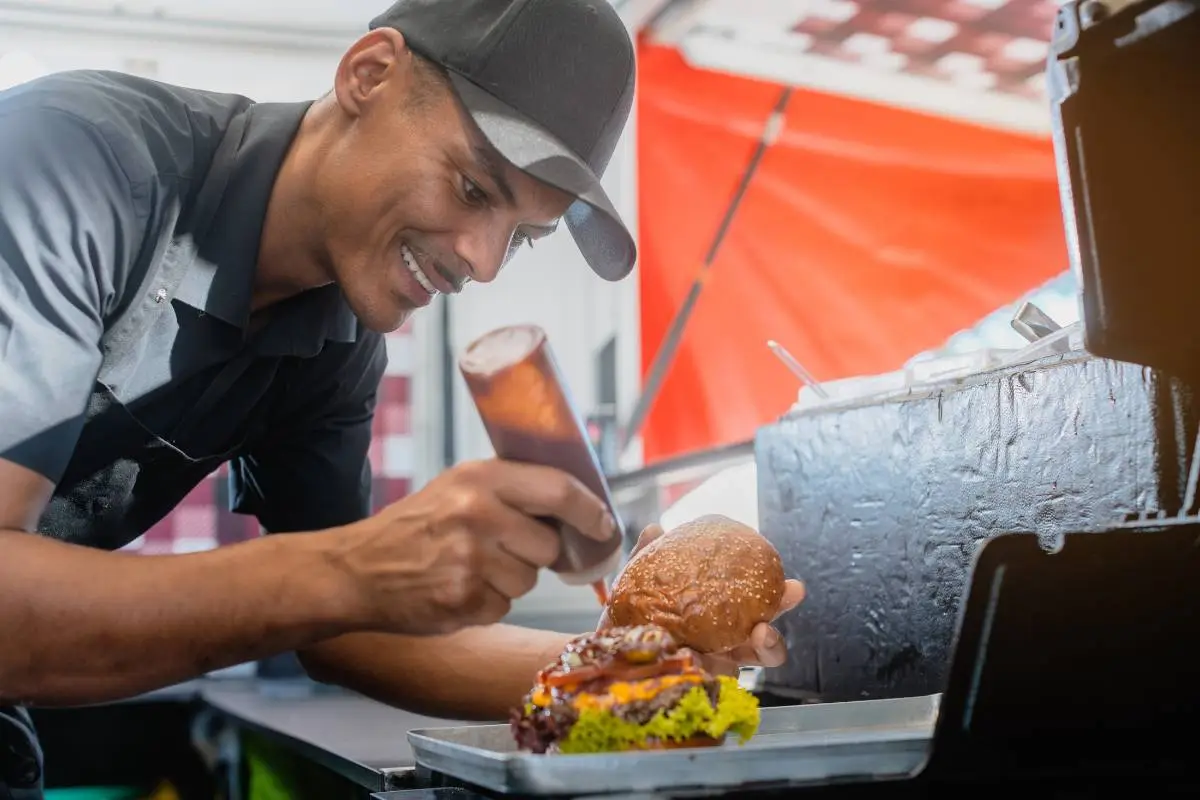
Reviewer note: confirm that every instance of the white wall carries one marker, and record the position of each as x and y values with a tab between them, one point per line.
258	72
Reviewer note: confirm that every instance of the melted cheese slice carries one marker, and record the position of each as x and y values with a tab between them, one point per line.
620	692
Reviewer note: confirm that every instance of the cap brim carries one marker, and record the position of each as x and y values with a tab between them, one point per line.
601	236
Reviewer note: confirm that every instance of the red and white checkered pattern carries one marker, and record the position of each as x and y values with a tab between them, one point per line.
995	46
202	521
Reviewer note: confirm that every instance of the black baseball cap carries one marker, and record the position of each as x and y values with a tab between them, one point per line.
550	83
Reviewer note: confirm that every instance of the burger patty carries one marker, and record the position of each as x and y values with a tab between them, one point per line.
539	730
640	712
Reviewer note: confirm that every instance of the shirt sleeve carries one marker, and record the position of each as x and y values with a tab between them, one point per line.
67	226
314	471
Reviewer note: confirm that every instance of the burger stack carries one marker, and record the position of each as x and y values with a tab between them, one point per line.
631	688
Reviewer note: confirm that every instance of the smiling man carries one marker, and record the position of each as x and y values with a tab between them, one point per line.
190	278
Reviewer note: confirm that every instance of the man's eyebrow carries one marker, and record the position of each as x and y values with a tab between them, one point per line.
489	159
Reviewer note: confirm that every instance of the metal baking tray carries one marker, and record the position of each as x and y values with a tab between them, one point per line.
869	739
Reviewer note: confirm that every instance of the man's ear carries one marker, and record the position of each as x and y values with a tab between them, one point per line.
372	63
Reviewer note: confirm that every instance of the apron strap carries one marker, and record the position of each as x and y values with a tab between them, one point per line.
20	756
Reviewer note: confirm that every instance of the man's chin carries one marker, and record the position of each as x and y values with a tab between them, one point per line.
393	324
384	320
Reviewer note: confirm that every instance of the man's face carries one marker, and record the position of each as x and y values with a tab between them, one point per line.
414	201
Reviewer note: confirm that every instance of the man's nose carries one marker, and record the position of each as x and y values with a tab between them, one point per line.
483	252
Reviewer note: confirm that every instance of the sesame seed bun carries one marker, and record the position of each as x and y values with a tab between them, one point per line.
707	582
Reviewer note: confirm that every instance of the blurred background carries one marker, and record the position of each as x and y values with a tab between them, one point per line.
905	208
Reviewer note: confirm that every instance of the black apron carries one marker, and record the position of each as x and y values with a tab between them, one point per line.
21	763
20	757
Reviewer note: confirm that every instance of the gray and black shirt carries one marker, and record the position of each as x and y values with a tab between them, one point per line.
130	218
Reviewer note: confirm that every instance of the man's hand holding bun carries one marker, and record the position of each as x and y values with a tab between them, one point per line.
716	584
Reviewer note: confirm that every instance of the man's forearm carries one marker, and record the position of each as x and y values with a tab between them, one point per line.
82	626
476	674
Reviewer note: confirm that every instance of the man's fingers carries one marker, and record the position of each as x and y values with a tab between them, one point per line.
528	539
766	648
510	577
719	663
769	647
793	595
547	492
492	606
648	535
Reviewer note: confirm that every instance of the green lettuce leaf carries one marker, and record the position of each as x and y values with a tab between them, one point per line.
736	714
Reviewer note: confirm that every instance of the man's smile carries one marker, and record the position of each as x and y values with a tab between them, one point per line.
410	261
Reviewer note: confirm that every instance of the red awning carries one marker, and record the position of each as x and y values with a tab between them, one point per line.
868	234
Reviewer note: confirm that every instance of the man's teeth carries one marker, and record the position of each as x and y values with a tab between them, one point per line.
410	261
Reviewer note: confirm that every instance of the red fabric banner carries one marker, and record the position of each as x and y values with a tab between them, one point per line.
868	235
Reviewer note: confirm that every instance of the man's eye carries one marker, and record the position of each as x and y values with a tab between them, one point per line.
473	194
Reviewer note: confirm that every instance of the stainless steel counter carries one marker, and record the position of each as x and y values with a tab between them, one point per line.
358	738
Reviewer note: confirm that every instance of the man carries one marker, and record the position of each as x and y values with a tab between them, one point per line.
189	278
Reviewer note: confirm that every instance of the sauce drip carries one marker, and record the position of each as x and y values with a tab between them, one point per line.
601	592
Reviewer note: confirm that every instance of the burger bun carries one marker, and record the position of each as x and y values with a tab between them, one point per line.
708	582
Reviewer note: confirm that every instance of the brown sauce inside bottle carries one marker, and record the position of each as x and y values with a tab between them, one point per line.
517	388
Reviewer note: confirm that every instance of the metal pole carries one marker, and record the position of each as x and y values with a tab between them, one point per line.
666	352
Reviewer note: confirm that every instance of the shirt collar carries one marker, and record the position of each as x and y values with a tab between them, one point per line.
221	280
